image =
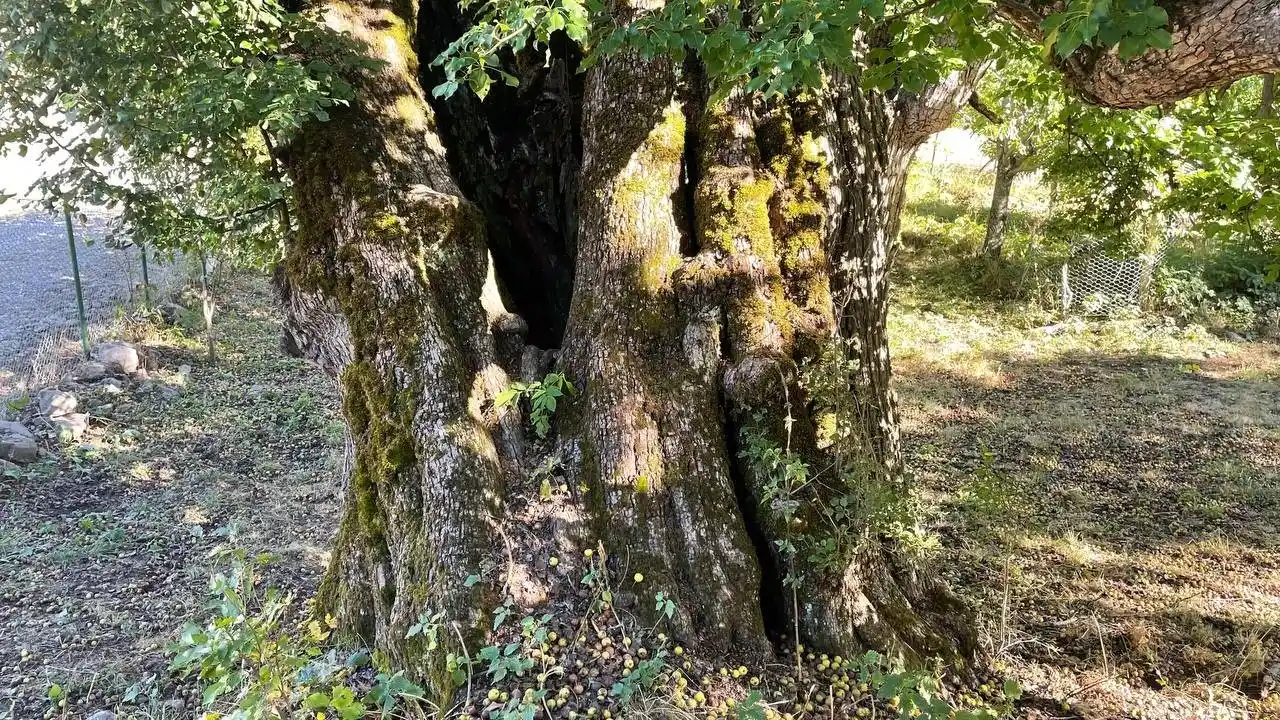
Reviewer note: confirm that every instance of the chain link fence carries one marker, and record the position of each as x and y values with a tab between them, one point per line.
40	315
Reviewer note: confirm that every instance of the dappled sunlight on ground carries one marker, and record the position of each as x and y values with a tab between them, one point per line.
104	543
1109	494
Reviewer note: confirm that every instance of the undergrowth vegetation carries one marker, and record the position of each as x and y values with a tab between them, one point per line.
261	654
1226	281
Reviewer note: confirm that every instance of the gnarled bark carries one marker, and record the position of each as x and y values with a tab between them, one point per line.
646	434
1215	42
386	240
873	139
697	242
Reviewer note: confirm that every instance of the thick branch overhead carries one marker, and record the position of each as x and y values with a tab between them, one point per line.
1214	42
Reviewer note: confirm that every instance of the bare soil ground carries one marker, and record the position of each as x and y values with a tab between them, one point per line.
104	543
1108	493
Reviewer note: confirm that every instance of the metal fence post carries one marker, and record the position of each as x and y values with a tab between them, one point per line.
146	279
207	301
1066	287
75	273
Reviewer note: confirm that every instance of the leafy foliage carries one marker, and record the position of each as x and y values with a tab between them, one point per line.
167	111
544	396
1128	26
776	48
253	661
917	693
1196	182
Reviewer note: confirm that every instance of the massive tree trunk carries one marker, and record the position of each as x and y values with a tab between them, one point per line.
646	435
386	241
691	259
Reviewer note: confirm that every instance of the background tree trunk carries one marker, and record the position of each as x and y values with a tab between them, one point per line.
1268	95
1007	167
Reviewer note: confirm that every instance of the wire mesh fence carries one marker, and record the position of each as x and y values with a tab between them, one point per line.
40	328
1095	282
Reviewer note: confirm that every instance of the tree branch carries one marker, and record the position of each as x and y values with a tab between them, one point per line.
932	110
981	108
1214	42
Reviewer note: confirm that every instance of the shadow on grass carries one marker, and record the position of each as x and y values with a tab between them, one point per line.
1142	497
104	544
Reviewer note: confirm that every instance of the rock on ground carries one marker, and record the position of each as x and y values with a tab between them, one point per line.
17	444
88	371
171	312
56	403
118	354
71	426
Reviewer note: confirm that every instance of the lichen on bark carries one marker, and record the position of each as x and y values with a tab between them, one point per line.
386	240
647	424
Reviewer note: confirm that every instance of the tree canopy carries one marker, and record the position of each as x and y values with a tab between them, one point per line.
170	110
166	111
1211	159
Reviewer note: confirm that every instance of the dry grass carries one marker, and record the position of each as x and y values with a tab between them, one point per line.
1143	579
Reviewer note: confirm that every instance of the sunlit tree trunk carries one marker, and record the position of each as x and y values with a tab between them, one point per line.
391	292
1008	164
685	262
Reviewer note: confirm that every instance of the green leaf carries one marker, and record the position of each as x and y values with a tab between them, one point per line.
1160	38
479	81
1132	46
1068	43
1111	34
